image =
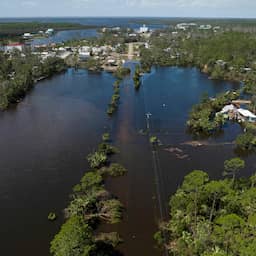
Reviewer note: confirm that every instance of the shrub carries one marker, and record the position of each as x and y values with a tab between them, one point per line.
116	170
52	216
106	137
97	159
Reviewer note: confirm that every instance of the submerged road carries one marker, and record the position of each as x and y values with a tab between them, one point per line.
142	189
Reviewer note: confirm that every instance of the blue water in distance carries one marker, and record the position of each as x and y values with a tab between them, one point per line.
63	36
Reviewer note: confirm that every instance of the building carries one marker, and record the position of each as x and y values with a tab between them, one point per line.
84	52
27	36
247	115
14	46
49	31
228	108
143	29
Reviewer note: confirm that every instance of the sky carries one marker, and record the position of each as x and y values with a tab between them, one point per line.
158	8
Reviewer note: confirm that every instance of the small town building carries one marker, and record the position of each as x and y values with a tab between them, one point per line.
14	46
228	108
247	115
27	36
84	52
143	29
49	31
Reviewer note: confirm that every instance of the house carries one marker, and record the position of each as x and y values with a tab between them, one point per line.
247	115
84	52
27	36
143	29
111	62
228	108
49	31
14	46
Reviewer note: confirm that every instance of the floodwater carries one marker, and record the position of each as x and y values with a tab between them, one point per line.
65	35
45	139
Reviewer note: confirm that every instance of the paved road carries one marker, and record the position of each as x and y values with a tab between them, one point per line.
130	51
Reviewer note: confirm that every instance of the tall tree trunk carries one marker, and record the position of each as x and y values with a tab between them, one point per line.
213	207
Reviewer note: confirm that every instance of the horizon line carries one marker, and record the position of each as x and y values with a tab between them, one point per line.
161	17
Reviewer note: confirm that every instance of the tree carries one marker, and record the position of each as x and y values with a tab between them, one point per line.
116	170
97	159
74	239
226	229
193	183
246	141
215	190
106	137
232	167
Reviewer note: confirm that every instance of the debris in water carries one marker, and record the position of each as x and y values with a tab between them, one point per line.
173	150
177	152
195	143
182	156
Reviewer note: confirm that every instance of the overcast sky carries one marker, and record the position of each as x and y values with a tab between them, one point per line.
166	8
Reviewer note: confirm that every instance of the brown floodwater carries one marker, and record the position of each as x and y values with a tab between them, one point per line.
45	139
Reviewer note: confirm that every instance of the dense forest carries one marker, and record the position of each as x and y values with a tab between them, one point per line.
210	217
229	55
19	72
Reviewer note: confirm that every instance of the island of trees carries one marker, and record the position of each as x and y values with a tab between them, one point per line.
212	217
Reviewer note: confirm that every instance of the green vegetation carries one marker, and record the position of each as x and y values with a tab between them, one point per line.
91	205
97	159
247	140
121	73
75	238
203	117
107	149
52	216
227	55
222	55
136	78
116	170
106	137
153	140
210	218
18	74
232	167
91	64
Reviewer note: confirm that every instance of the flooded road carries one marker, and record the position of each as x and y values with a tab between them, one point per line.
45	139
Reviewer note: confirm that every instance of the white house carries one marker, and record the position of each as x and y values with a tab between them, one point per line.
228	108
144	29
84	52
247	114
27	36
49	31
14	46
